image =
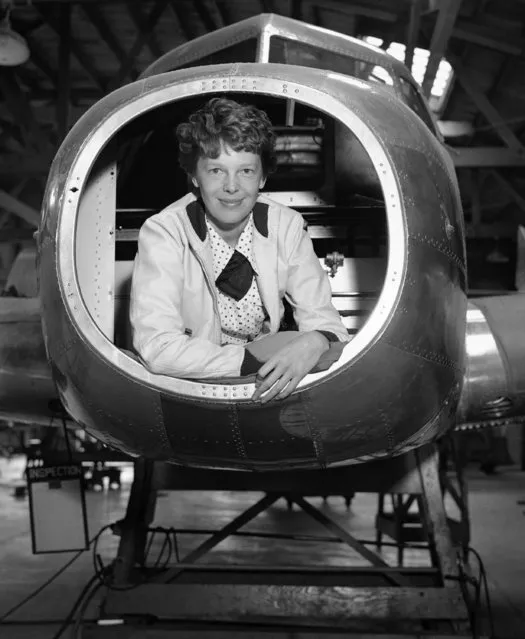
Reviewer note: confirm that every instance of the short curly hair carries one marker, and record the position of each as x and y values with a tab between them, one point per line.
242	127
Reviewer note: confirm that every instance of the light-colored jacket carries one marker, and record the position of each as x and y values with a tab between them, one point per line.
174	313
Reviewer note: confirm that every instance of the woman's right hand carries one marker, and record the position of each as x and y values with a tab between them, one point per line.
279	376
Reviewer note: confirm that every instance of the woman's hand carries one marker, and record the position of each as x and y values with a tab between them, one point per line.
281	373
266	347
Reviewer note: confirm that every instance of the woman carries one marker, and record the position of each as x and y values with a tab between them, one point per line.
213	268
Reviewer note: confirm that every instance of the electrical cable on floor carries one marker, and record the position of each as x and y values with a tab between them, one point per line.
41	588
51	579
480	585
41	622
80	620
78	602
103	577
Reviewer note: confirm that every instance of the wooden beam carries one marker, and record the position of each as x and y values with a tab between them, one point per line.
479	123
468	31
489	37
486	108
48	15
137	15
473	157
139	43
102	26
64	71
328	605
446	18
16	207
413	31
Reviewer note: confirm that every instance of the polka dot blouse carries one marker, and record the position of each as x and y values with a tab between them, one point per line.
241	321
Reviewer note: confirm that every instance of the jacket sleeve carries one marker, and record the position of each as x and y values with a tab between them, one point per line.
308	288
156	321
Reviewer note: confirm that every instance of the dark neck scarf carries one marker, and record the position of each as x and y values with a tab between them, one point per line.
236	277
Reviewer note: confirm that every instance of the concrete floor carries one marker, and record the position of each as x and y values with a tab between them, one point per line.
498	534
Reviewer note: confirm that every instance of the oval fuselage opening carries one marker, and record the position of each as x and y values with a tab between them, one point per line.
326	171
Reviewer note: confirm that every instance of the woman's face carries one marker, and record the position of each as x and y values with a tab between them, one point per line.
229	186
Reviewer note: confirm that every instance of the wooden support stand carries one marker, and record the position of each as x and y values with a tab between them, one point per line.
372	599
403	523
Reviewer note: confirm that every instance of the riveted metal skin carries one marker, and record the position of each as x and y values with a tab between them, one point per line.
397	384
494	385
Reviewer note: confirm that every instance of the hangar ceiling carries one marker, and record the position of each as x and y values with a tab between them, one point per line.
82	49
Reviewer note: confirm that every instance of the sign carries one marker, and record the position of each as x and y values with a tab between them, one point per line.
57	508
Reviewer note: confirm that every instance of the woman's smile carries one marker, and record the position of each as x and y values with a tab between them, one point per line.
231	203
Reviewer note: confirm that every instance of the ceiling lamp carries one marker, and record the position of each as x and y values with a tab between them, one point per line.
13	47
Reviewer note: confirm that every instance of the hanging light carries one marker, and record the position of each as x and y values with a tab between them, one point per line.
13	47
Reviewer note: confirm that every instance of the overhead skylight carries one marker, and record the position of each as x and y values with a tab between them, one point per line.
419	65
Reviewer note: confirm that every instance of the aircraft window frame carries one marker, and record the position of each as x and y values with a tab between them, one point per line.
404	89
351	57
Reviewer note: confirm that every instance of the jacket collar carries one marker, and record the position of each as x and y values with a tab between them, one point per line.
264	254
196	215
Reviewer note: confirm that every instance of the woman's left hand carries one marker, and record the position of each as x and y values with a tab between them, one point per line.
279	376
